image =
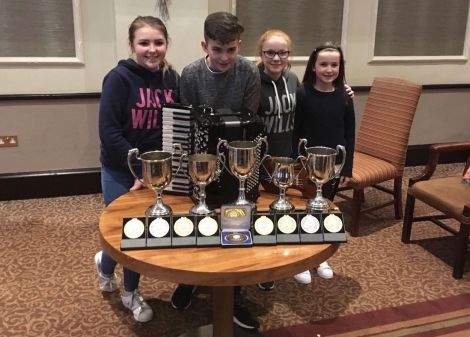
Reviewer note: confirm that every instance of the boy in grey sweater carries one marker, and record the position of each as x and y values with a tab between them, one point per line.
221	79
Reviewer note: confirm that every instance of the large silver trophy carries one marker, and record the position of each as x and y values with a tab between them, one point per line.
321	167
156	174
282	176
203	168
243	160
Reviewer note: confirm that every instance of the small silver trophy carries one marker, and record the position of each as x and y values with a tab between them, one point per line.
321	167
156	174
203	168
242	160
283	176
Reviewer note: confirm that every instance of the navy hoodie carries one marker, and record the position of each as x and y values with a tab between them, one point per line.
131	110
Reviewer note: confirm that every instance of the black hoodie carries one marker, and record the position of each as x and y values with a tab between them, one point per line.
277	110
131	110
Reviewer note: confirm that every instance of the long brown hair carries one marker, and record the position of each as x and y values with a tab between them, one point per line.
153	22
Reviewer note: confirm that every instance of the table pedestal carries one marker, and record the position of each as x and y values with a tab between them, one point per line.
222	318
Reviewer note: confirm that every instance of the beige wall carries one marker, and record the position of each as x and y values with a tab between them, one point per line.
62	134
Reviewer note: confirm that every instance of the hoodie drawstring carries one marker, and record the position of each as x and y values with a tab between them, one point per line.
278	100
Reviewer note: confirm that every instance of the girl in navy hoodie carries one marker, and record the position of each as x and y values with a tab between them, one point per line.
130	116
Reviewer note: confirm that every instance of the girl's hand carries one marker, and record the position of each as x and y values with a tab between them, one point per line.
349	91
137	185
343	181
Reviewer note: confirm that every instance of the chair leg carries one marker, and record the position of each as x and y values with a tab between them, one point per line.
461	251
356	212
408	220
397	197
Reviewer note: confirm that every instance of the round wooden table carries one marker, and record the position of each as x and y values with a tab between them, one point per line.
222	268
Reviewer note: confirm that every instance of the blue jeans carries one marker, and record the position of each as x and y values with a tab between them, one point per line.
114	183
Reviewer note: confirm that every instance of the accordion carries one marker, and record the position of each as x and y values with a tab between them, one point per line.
203	128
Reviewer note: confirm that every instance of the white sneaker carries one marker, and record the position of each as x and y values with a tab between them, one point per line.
136	303
324	270
108	283
304	277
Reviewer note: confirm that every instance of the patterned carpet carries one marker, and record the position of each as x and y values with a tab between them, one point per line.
48	285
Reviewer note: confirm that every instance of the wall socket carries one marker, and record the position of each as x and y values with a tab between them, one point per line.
8	141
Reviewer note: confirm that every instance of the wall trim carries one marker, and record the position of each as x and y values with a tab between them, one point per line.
40	97
88	95
28	185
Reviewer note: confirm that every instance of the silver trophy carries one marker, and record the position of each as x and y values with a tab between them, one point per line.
242	160
203	168
156	174
321	167
283	176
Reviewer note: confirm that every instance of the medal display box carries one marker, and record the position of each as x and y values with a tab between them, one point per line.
133	233
235	223
264	230
235	226
333	227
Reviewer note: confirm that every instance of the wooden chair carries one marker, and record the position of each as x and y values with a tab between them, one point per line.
448	195
381	144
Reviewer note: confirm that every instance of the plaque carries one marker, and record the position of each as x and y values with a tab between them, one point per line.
310	228
183	233
133	233
208	233
287	228
159	234
264	231
333	227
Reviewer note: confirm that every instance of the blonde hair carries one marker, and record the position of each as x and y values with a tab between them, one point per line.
266	36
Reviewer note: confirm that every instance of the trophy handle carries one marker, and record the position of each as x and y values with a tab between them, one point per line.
178	149
302	141
338	168
221	159
132	152
221	154
265	169
266	155
300	159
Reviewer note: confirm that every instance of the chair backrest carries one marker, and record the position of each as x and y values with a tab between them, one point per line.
387	118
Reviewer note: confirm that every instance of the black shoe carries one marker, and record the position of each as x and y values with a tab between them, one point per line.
266	286
243	318
181	298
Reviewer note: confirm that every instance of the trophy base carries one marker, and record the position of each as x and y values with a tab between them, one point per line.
281	205
318	204
158	210
201	209
244	202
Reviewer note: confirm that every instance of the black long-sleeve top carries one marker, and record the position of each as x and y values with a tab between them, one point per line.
325	119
